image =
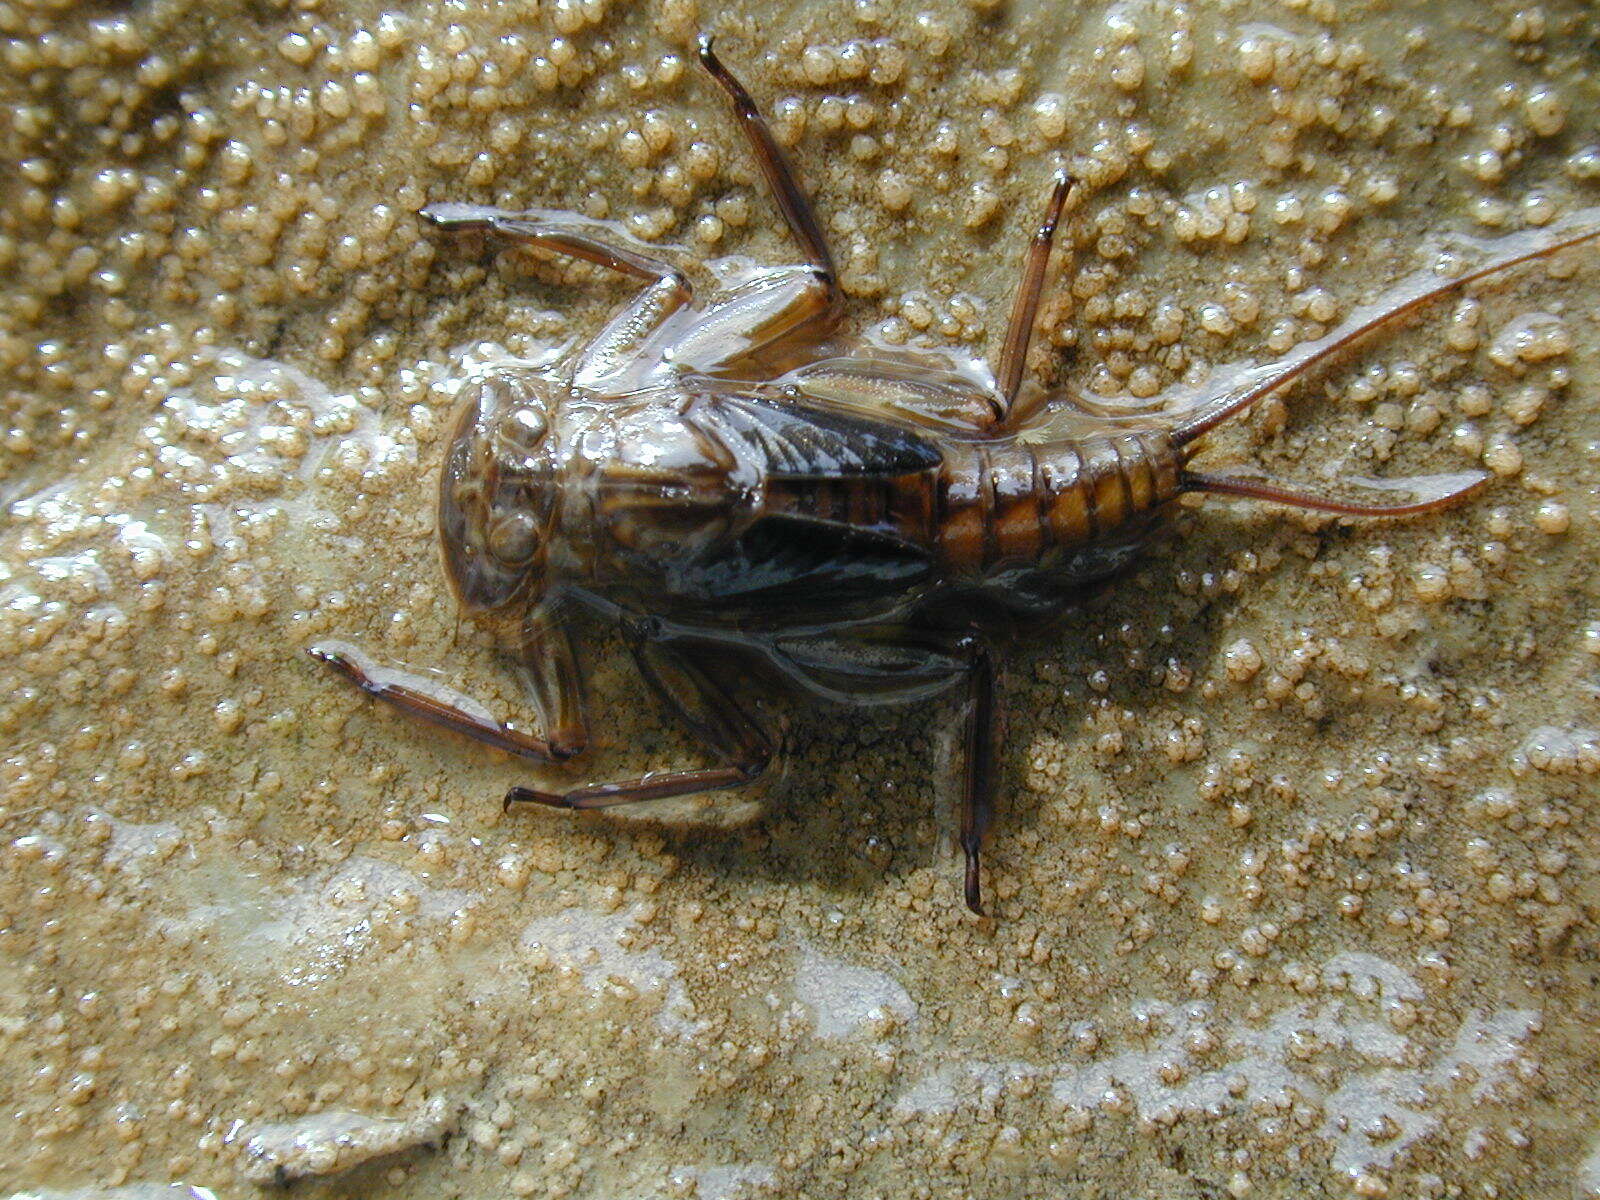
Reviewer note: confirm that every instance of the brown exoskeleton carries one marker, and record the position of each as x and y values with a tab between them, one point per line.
865	525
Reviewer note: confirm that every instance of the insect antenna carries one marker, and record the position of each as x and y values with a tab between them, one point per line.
1407	297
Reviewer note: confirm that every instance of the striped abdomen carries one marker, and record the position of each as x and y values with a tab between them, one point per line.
1008	501
726	495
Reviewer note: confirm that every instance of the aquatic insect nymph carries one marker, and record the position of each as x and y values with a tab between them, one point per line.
859	525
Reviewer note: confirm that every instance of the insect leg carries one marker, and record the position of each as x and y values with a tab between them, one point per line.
869	663
977	794
773	307
451	710
791	198
879	662
626	341
707	707
946	405
1019	331
913	663
548	670
566	234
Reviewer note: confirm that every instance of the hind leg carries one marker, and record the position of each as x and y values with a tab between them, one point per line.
1025	308
882	662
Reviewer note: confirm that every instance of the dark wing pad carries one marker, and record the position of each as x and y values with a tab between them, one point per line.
801	441
801	561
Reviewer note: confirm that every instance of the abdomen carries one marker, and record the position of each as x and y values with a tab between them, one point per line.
1059	505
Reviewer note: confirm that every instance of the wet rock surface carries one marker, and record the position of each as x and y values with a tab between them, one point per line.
1294	878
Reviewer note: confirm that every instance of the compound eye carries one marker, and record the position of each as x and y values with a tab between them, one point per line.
525	427
514	538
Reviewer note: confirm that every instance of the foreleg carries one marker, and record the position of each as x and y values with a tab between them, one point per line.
626	337
546	667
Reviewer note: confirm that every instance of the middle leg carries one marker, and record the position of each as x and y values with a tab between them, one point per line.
786	190
688	684
778	306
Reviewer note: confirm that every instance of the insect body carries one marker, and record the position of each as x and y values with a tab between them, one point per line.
865	527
